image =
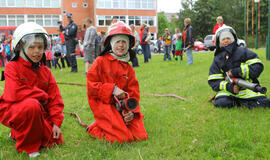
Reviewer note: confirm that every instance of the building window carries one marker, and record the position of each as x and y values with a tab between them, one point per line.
11	3
106	20
31	18
141	4
55	19
111	4
31	3
138	20
101	20
11	20
85	5
2	3
100	3
44	20
38	3
39	19
55	3
19	3
116	3
3	20
108	3
48	20
74	5
19	19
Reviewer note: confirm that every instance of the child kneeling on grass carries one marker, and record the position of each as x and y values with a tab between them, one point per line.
31	104
237	62
112	76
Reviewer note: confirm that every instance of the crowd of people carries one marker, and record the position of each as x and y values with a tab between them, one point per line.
32	106
5	50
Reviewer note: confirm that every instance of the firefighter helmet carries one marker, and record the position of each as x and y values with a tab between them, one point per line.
119	28
28	29
224	29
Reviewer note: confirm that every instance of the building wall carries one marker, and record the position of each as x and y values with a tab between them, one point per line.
80	13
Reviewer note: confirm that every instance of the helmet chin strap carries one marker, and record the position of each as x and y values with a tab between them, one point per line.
35	65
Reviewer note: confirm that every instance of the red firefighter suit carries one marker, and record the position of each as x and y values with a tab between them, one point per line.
30	105
104	74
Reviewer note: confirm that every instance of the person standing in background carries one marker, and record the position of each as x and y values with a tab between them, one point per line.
98	44
219	24
144	44
2	54
188	40
167	38
71	42
89	44
102	39
174	39
134	60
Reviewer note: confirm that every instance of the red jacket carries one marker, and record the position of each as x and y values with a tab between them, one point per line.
22	81
104	74
143	35
217	26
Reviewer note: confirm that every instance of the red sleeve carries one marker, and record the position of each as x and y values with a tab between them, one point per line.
133	88
55	105
215	28
95	87
16	90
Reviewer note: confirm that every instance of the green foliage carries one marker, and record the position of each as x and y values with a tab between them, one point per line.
162	23
203	14
191	129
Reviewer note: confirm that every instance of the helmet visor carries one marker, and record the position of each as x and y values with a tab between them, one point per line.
35	38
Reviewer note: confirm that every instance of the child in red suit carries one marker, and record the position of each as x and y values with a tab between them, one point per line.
31	104
112	76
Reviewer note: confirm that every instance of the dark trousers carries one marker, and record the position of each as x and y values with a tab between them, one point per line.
48	63
56	63
2	61
8	58
63	62
71	56
173	50
145	52
230	101
135	62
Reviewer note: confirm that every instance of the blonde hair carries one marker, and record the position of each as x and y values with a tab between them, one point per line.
220	18
89	20
187	20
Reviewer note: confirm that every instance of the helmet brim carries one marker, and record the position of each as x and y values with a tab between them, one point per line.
131	40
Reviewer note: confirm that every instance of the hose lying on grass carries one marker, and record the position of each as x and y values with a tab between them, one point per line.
151	94
78	119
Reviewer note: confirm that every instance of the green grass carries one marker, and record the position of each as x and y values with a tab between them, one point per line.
191	129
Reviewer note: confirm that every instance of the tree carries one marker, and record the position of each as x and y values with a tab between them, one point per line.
162	23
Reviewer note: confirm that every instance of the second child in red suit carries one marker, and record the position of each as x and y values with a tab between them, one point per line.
31	104
111	75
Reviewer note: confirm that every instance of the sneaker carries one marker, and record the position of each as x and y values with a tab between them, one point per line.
34	154
10	137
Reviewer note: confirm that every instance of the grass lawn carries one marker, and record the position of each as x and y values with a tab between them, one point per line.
191	129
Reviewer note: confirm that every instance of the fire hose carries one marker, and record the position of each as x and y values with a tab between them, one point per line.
85	125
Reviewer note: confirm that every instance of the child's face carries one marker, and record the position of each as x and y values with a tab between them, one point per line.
120	48
35	51
225	42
